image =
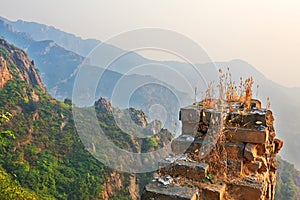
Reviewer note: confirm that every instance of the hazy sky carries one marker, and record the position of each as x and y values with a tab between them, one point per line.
265	33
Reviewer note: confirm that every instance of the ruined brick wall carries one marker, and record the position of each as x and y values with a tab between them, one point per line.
223	153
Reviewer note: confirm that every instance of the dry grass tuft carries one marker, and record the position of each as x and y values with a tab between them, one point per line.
228	92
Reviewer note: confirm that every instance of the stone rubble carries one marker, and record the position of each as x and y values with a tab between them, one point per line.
237	163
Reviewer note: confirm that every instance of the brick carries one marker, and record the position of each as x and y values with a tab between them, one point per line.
261	149
248	120
212	191
164	165
192	170
190	128
254	166
245	135
157	191
234	151
250	151
181	144
264	164
190	114
254	119
246	189
234	167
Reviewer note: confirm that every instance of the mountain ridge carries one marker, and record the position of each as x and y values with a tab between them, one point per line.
284	101
47	159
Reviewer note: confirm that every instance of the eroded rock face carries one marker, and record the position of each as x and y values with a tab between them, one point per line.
4	73
104	105
241	163
24	67
139	117
115	182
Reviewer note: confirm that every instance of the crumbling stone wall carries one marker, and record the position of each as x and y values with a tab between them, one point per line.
223	153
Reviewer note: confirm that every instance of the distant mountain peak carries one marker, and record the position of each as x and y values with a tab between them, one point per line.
8	26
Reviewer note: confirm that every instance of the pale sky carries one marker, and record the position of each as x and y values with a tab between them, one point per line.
265	33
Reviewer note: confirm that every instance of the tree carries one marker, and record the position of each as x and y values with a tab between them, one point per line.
7	133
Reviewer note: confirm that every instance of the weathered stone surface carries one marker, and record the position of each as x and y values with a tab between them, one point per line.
4	73
245	135
261	149
157	191
212	191
247	189
181	144
250	151
165	164
190	114
189	128
192	170
251	119
234	151
254	119
278	145
264	164
254	166
200	142
234	167
206	116
188	144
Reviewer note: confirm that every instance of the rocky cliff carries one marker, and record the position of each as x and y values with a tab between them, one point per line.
14	62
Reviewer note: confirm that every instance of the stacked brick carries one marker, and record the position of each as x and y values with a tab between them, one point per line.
236	163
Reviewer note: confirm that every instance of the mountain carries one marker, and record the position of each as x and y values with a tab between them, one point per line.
50	57
284	101
47	159
40	32
288	181
57	65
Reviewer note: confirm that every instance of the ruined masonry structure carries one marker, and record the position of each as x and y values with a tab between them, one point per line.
223	153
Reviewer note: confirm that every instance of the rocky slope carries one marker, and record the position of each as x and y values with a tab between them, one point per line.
20	66
47	156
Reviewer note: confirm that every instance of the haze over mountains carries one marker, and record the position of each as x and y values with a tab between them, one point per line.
58	54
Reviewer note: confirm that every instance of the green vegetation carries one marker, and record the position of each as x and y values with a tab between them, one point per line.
45	157
48	157
4	53
150	143
10	189
42	157
5	133
288	181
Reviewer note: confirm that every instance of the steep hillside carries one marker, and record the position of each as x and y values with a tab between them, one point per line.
46	160
11	190
288	181
47	156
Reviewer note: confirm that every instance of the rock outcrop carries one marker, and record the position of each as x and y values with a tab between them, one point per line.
14	62
223	153
104	106
4	73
